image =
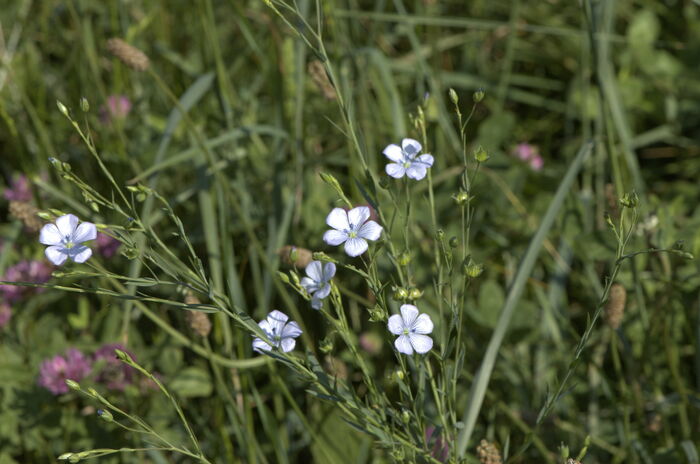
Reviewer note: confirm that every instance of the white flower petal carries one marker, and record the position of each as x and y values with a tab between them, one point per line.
56	254
309	284
291	330
315	270
66	225
396	325
416	171
85	231
80	253
358	216
316	303
370	231
338	219
328	271
287	344
403	345
277	320
395	170
355	246
394	153
259	345
421	343
409	313
334	237
426	160
422	325
411	146
323	291
265	326
50	235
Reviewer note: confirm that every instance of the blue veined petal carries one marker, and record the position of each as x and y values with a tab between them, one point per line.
403	345
335	237
355	246
421	343
395	170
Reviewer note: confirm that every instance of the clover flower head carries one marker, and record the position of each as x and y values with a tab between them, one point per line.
19	190
107	245
280	331
65	239
34	271
116	107
352	228
530	154
407	161
317	284
54	372
412	329
5	314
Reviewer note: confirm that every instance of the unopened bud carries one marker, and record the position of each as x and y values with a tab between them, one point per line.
72	384
454	242
405	416
62	108
105	415
461	198
453	96
478	95
326	345
481	155
414	294
404	258
377	314
400	294
84	104
473	269
630	200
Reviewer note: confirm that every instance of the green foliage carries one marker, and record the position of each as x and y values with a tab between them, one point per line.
250	125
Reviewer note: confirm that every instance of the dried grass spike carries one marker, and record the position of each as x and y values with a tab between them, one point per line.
615	307
198	321
320	78
128	54
488	453
26	213
294	256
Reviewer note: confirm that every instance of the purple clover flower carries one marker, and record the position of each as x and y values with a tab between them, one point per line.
19	190
115	108
54	372
37	272
5	314
107	246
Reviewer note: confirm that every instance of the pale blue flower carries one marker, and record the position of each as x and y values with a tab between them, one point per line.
406	160
412	329
352	228
280	332
65	239
317	284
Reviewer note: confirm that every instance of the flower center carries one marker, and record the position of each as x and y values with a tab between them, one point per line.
406	164
406	331
352	234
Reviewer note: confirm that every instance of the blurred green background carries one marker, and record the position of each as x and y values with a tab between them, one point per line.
555	73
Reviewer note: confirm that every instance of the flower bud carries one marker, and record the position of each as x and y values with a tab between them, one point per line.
404	258
440	234
473	269
454	242
478	95
461	198
62	108
72	384
400	294
405	416
326	345
453	96
414	294
105	415
377	314
399	374
630	200
481	155
84	104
